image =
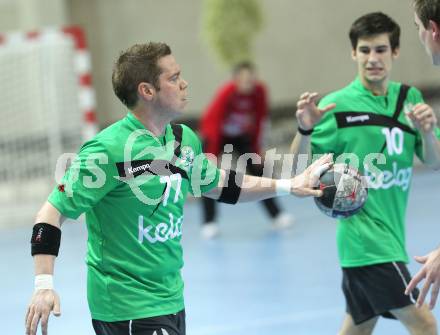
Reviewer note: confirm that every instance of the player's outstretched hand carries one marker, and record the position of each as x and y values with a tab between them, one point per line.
423	117
304	183
42	303
307	113
430	271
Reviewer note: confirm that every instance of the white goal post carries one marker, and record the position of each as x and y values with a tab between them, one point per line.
47	107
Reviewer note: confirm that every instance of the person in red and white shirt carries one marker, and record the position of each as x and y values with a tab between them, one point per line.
236	116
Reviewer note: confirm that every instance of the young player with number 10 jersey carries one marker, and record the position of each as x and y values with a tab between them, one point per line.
377	124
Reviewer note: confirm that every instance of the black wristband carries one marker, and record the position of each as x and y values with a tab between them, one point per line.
305	132
45	239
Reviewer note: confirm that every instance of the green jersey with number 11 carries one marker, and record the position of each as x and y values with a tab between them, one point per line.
364	124
132	186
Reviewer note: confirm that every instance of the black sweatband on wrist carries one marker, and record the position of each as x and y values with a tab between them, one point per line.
45	239
305	132
231	191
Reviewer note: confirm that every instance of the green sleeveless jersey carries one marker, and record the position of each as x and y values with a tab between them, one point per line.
132	186
364	125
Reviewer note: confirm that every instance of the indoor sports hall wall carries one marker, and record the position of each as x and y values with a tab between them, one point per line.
304	44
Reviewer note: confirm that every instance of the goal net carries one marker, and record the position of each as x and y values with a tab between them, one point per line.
47	108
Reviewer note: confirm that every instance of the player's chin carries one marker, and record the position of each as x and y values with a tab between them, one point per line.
183	106
376	78
180	110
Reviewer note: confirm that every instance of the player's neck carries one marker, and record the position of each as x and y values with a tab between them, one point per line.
377	89
154	122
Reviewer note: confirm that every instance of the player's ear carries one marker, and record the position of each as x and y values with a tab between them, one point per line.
353	54
396	52
435	28
146	91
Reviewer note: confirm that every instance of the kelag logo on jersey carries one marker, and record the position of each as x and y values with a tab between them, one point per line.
386	179
161	232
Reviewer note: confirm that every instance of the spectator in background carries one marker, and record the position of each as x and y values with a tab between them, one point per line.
236	116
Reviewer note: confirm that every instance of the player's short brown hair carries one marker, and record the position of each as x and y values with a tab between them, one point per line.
135	65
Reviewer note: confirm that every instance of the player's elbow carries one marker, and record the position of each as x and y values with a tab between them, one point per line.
48	214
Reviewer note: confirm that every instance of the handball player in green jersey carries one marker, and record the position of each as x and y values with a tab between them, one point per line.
378	125
427	20
131	181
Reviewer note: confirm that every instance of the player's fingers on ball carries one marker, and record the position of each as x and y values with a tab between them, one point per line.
319	169
316	193
327	158
306	192
314	179
316	163
316	173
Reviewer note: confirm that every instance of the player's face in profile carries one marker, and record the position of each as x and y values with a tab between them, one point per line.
172	95
245	80
374	58
426	38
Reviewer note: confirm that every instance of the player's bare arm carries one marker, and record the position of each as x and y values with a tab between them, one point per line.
44	299
234	189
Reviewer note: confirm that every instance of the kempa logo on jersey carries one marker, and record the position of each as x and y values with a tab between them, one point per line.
360	118
145	167
387	179
163	331
162	232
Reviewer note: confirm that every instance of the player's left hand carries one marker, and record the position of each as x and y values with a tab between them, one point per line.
423	117
430	271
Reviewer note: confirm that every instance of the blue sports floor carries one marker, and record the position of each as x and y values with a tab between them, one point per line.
250	281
